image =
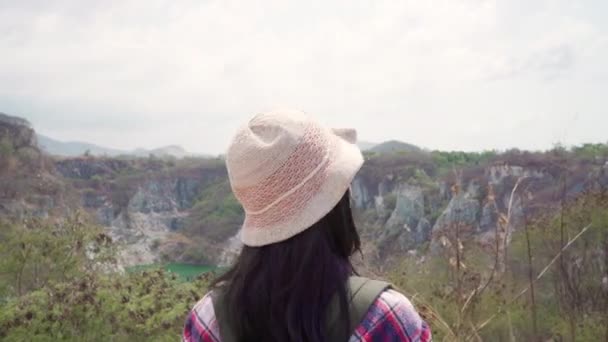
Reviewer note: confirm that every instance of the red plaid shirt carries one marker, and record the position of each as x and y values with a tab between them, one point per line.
391	318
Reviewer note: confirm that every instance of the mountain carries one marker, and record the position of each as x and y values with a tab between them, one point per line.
78	148
394	146
366	145
73	148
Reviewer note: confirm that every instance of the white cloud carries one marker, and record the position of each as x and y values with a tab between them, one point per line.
440	73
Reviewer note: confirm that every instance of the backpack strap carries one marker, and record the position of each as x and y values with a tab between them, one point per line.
219	307
362	293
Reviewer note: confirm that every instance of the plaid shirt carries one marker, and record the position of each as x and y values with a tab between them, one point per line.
391	318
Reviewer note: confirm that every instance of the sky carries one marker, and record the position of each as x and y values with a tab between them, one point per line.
441	74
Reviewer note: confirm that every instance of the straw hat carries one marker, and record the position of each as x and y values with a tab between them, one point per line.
288	171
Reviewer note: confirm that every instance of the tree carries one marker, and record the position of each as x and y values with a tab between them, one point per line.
58	284
37	252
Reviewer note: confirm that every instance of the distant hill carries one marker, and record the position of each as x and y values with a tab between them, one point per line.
366	145
73	148
78	148
394	146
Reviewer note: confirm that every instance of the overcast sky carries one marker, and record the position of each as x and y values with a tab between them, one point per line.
452	74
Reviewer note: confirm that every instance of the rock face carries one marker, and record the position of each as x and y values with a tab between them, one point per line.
179	210
464	210
403	211
28	185
17	131
157	209
359	193
489	217
87	168
231	250
409	208
405	227
143	207
423	211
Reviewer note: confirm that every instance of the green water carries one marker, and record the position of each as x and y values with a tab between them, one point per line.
184	272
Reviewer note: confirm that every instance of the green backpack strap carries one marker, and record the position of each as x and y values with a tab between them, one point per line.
362	293
226	331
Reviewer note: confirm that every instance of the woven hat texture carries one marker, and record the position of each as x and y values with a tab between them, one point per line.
288	171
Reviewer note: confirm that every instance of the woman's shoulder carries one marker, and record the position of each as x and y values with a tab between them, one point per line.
392	315
201	324
395	299
205	305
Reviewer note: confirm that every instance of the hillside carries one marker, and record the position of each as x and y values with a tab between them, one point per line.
404	197
75	149
394	146
28	182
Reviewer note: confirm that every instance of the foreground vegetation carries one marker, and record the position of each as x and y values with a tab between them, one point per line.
550	283
59	283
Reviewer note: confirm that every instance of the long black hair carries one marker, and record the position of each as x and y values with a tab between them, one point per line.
281	291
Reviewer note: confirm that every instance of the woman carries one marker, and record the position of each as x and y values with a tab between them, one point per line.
293	280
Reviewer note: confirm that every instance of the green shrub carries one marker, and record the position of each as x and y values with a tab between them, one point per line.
59	283
6	147
217	215
147	305
390	202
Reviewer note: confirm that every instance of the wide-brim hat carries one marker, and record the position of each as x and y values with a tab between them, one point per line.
288	171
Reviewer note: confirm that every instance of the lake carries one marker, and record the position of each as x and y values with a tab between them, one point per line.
184	272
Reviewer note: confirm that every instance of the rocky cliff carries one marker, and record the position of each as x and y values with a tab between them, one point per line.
407	209
183	210
145	203
17	131
28	183
155	209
